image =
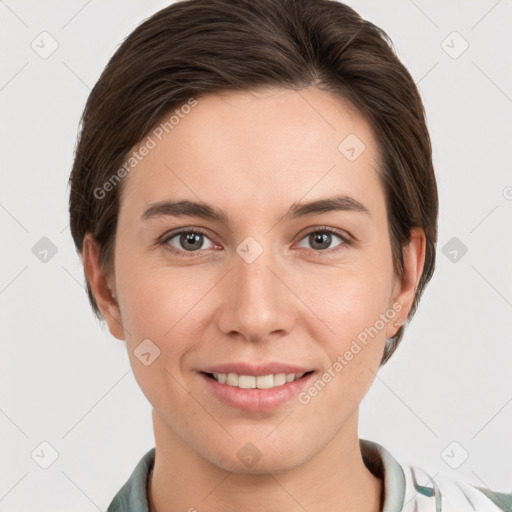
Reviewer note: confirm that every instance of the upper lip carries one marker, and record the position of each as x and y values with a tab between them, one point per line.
243	368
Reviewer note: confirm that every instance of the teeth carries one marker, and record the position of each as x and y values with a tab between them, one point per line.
252	382
221	377
232	379
246	382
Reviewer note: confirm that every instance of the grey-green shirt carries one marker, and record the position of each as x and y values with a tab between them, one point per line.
406	488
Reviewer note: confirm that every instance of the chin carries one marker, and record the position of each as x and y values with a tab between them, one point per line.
258	458
274	466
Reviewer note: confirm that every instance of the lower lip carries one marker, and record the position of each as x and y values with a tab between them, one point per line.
256	400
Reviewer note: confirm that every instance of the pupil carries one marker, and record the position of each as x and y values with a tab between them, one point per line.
321	238
190	238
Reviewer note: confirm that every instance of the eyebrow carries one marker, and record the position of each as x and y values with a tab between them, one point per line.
296	210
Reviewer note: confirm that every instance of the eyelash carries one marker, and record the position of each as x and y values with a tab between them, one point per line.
346	240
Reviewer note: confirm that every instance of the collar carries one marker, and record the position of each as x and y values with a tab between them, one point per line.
384	466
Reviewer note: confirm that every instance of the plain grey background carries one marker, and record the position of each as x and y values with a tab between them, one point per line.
443	402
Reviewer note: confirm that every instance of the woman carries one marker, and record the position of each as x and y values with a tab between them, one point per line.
254	200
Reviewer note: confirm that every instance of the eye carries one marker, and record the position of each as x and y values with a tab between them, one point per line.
321	238
187	241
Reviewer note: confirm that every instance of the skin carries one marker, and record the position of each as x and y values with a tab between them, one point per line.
254	155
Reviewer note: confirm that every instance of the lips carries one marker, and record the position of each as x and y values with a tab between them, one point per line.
254	387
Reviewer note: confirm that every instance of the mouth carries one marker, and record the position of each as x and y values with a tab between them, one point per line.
256	389
269	381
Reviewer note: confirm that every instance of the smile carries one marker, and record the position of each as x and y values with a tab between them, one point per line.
255	393
252	382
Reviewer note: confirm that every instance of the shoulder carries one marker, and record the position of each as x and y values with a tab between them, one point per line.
133	497
408	488
444	493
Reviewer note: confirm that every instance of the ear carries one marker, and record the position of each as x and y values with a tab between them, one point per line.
404	290
104	293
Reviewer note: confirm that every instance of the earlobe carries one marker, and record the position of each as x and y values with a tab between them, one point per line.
103	294
405	289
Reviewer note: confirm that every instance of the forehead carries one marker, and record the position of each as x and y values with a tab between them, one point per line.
270	146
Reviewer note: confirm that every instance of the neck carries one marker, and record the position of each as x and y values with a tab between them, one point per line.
334	479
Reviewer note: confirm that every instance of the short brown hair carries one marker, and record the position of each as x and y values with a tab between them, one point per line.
197	47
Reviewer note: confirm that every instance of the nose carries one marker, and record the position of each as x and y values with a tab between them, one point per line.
259	301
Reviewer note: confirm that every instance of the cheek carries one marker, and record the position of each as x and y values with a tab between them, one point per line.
354	350
357	309
152	298
354	300
159	306
166	305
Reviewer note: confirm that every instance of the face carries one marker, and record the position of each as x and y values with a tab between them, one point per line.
266	287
